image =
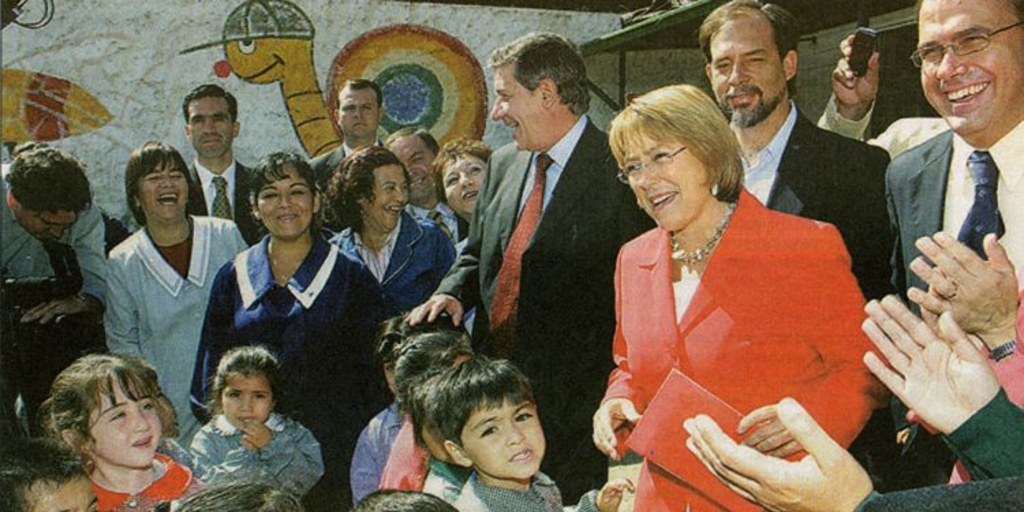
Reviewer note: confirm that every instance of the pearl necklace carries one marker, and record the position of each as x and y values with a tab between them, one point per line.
691	259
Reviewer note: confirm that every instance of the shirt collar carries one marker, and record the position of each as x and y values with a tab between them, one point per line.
389	241
449	472
172	482
562	149
164	272
255	277
769	156
1006	153
206	176
422	213
348	150
275	422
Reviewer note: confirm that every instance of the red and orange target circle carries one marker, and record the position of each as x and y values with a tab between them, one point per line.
428	79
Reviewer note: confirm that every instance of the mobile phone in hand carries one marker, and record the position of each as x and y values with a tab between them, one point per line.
863	46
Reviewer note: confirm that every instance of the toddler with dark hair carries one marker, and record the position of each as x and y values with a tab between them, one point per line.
246	440
418	461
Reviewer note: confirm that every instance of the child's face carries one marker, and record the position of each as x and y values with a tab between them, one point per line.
73	496
125	434
246	399
505	445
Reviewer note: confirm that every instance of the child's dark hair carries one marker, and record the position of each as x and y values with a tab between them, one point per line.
402	501
389	339
396	330
420	357
242	496
247	362
31	467
476	384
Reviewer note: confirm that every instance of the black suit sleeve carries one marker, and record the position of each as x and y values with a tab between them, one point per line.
985	496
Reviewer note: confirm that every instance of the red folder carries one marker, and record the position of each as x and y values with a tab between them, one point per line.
660	438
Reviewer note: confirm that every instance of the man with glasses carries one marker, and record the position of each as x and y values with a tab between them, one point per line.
791	165
965	182
220	184
54	273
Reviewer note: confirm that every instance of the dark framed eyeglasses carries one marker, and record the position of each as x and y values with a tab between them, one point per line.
971	43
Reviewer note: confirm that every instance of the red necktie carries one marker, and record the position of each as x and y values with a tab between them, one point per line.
506	295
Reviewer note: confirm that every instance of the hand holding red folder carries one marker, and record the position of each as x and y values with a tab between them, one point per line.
660	438
828	479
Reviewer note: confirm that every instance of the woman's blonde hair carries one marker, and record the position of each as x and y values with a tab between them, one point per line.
685	114
84	386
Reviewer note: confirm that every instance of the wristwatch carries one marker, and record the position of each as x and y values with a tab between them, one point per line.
1003	351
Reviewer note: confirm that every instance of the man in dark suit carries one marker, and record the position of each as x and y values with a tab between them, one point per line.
971	56
360	109
791	165
541	252
221	184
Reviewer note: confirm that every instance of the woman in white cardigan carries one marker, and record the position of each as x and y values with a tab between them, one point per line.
159	279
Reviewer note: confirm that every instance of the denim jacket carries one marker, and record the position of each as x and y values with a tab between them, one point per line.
421	258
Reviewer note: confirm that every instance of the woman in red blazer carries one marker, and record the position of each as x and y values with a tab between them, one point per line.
753	305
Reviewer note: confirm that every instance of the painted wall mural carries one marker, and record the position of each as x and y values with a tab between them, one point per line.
267	41
100	78
41	107
428	77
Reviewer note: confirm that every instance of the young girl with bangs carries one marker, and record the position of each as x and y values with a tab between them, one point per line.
111	411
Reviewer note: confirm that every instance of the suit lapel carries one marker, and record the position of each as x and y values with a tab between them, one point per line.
650	282
510	190
794	161
928	186
196	198
572	186
241	201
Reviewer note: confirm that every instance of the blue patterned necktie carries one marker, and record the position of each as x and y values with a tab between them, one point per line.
983	218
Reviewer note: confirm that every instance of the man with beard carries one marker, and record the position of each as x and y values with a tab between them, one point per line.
791	165
211	125
795	167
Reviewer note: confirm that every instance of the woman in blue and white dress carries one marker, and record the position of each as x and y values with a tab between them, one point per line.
159	279
315	308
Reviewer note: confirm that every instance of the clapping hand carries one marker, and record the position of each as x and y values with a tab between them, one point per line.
981	295
942	377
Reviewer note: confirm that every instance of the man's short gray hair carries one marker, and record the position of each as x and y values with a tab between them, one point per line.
540	55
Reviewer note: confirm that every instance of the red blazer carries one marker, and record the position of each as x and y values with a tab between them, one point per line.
777	314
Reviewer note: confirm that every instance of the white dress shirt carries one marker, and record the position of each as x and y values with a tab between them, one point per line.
210	190
1008	155
377	262
559	153
759	176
